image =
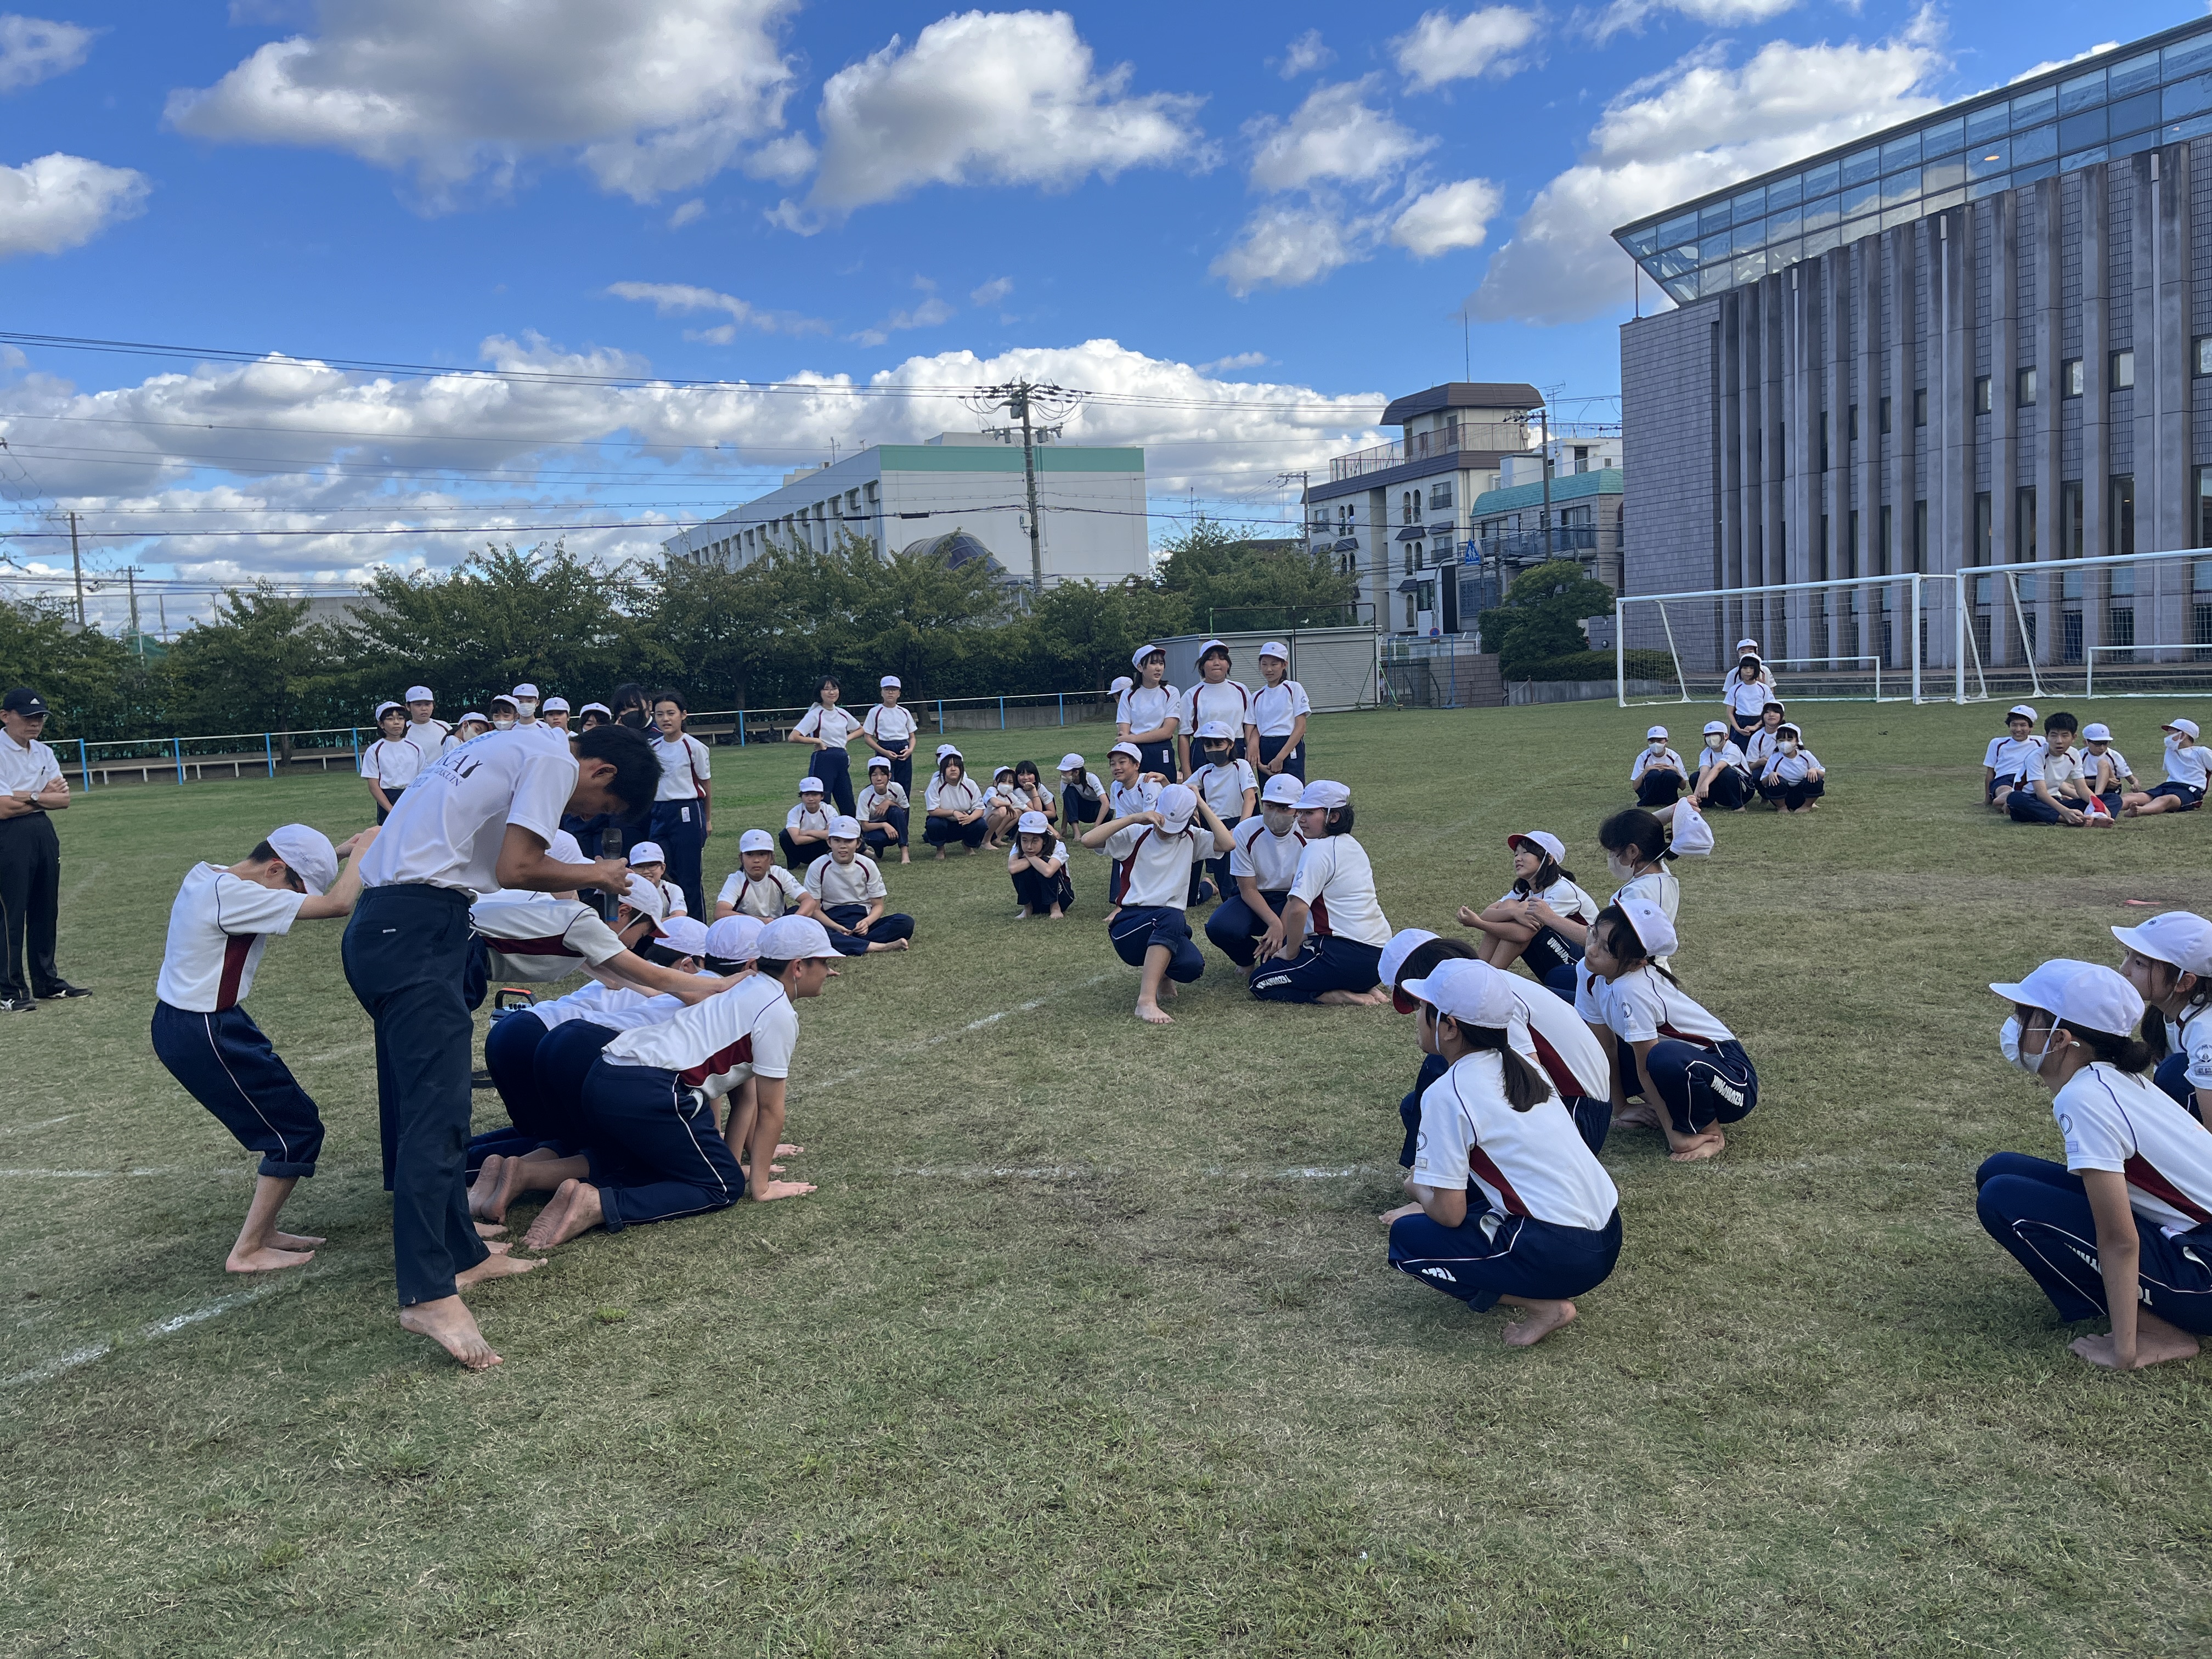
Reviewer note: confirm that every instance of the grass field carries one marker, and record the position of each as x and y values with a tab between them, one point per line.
1087	1344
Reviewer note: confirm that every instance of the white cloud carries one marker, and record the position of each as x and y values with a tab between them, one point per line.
1696	127
1288	247
683	299
2050	63
1236	360
648	95
931	312
1304	54
1008	98
686	212
32	49
1449	216
993	291
1718	14
1440	48
1332	135
60	201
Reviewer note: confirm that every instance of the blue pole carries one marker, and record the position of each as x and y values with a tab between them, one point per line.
741	728
940	717
1063	708
1002	714
269	749
357	748
177	748
83	765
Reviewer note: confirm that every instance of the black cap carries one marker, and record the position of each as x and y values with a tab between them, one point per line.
23	701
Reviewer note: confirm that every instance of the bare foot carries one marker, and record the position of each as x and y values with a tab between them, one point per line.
448	1322
490	1229
785	1149
265	1259
1696	1149
1058	914
894	945
484	1190
574	1209
495	1267
1635	1117
2156	1342
775	1189
295	1241
1150	1013
941	855
904	859
1399	1213
1543	1318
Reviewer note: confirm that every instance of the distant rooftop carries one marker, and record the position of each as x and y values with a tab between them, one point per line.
1463	394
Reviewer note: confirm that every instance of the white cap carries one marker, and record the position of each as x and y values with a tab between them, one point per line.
647	852
525	689
810	785
1790	726
2021	710
2176	937
795	938
1128	749
1746	644
1137	657
685	935
1651	926
844	828
646	898
756	840
1277	649
2082	994
890	683
1071	762
1122	682
1542	840
556	705
471	714
1324	794
875	760
1033	823
501	697
601	706
2096	732
1472	993
1212	645
420	694
1656	732
388	706
1001	772
1216	729
1282	790
1712	727
307	852
2187	728
1177	805
945	749
735	939
1402	945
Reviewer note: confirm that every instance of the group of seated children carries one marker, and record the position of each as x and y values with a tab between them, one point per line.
2049	779
843	889
1771	765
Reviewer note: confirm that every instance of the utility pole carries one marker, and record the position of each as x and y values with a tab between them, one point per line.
131	576
1544	416
1030	404
76	562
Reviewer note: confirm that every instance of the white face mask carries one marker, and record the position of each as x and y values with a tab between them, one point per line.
1280	820
1716	742
1619	868
2008	1044
1658	746
502	722
526	707
1788	745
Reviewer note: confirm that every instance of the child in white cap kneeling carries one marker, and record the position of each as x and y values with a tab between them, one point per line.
954	807
647	860
1724	777
1508	1205
2125	1227
1657	774
805	833
849	886
222	922
2183	788
1795	780
758	887
1082	796
1262	865
1038	865
1155	850
884	810
1326	946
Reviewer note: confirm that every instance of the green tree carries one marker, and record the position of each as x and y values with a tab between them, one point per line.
257	665
1542	614
95	688
1231	582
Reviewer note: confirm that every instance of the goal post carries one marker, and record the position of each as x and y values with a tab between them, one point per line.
1842	639
2118	625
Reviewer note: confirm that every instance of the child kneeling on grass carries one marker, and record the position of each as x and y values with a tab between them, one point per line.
1327	943
1795	780
2168	960
1038	867
1508	1204
2125	1227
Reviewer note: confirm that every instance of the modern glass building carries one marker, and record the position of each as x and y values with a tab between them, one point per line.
1982	337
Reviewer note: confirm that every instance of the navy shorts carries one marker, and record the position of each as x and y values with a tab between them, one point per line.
1138	928
226	1064
2188	794
1322	965
1489	1255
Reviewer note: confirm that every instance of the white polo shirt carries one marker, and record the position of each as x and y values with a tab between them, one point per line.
1640	1006
1055	851
1647	757
1747	703
961	797
393	762
2114	757
1085	783
447	828
26	769
1156	865
1229	702
1272	861
1759	749
816	818
1146	708
892	725
748	1031
1727	755
1337	885
2185	761
874	802
1276	708
541	938
775	893
683	767
2124	1123
1551	1033
1224	787
218	927
857	883
1124	798
2006	755
1532	1163
2058	771
837	725
1795	769
1564	897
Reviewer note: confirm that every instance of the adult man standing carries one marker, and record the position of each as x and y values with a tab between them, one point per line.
479	820
31	787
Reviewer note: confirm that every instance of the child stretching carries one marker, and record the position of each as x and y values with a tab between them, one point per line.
1038	866
1543	918
222	920
1508	1203
2185	765
2169	961
1155	850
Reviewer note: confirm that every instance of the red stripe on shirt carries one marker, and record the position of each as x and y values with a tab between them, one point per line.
554	944
1667	1030
1317	914
721	1061
1562	1075
2147	1177
1492	1176
236	947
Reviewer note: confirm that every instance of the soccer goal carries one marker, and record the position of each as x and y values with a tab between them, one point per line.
2123	625
1842	640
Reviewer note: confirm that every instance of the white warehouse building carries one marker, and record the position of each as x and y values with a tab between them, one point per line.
896	497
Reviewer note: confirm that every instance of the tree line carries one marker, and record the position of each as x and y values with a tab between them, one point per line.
761	637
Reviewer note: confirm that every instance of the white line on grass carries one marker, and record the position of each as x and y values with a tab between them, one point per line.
43	1123
1090	1172
60	1364
103	1175
972	1026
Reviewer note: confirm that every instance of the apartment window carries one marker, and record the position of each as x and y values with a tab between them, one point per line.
1885	415
2204	354
1440	495
2023	524
1852	426
2124	370
1984	525
1409	506
2070	378
1981	398
2120	518
2069	520
2024	391
1920	406
1850	562
1882	543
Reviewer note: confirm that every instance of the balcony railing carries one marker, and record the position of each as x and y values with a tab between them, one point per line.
1566	541
1490	436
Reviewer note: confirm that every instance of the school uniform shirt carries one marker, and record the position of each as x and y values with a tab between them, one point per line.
433	737
392	762
1661	887
892	725
961	797
2192	1036
2125	1124
218	928
1229	702
875	802
858	883
1744	701
1728	755
748	1031
1642	1006
617	1009
2060	774
2121	772
683	767
776	894
2006	755
1646	759
1005	798
1795	769
1337	885
1272	861
1759	749
2185	762
25	767
823	721
1550	1033
1532	1163
1276	708
1224	787
1146	708
816	819
447	829
1055	852
542	938
1564	897
561	849
1085	783
674	896
1155	866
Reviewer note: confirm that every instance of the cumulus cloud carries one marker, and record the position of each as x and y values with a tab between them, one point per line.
1290	246
683	299
1236	360
1440	48
59	202
1333	135
2050	63
931	312
1006	98
647	95
1449	216
1718	14
32	49
1697	126
686	212
1304	55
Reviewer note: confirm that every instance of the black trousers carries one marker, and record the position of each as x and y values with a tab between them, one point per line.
405	950
30	895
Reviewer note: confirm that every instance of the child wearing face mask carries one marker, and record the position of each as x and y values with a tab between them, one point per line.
1657	775
2187	762
2168	960
1262	865
1759	751
502	713
1229	786
1636	856
1543	918
1795	780
2125	1227
1724	777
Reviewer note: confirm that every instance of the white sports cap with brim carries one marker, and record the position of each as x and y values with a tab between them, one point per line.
810	785
1137	657
2022	711
500	698
890	683
756	840
1402	945
795	938
556	705
2177	937
1177	806
388	706
597	709
525	689
420	694
1324	794
647	900
735	939
1212	645
1122	682
2096	732
1282	790
1541	839
1746	644
647	852
1218	729
1791	727
472	714
998	772
685	935
1033	823
1651	927
1276	649
877	761
1071	762
1472	993
307	852
1656	732
1712	727
2092	995
844	827
2187	728
945	749
1128	749
2040	988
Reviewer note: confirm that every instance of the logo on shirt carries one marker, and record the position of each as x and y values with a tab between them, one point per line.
1438	1272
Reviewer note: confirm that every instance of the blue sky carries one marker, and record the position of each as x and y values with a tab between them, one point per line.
1277	216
